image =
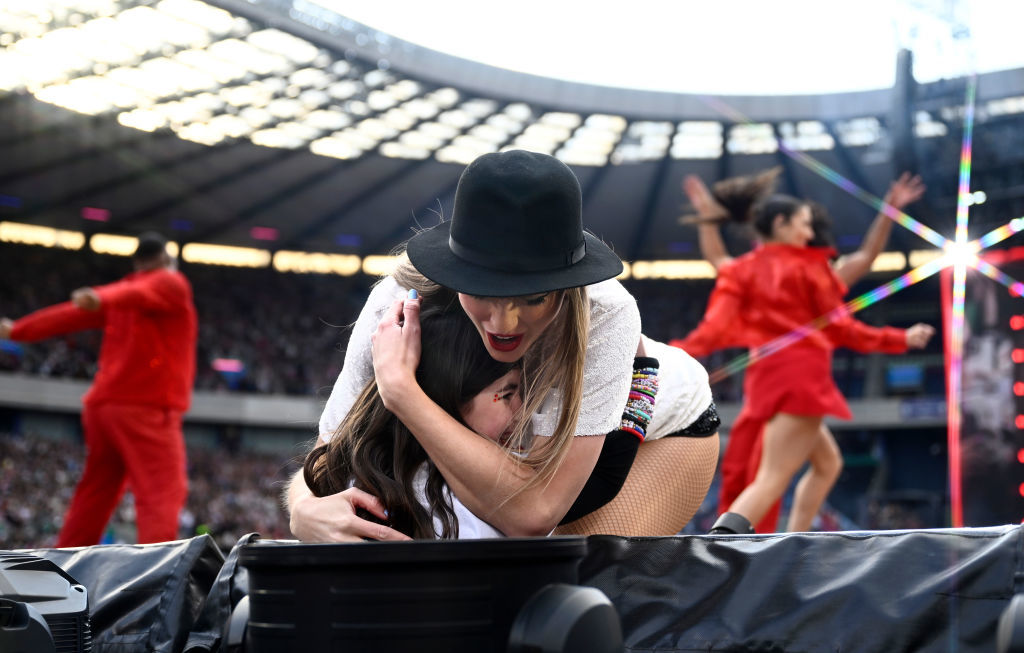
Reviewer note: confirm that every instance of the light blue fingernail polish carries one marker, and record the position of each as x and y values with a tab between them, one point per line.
413	294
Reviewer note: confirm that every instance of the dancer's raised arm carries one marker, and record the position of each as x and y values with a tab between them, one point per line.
902	192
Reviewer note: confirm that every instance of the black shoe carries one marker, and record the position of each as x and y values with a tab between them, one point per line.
731	523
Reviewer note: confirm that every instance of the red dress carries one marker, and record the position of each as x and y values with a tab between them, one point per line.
773	296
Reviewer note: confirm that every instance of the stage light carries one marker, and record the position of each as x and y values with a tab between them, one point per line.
1017	322
1005	106
381	100
113	244
462	152
404	151
489	132
344	265
606	122
334	147
1019	421
263	233
445	98
1020	456
30	234
889	262
752	138
806	135
1018	389
697	140
859	132
919	257
1017	355
142	119
961	254
225	255
228	365
420	140
95	214
927	127
673	269
379	266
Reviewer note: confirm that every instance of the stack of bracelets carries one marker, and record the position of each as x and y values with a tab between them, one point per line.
642	391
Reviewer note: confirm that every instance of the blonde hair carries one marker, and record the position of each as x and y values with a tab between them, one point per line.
555	361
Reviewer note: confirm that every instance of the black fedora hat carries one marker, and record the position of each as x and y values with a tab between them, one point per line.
516	229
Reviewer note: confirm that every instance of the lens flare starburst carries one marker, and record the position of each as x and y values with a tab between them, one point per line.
958	254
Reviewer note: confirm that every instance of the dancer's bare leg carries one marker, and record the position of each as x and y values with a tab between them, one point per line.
826	465
787	444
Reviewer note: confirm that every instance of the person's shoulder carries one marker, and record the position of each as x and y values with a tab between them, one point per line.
613	311
386	290
609	293
170	278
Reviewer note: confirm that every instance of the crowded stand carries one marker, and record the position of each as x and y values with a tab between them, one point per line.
230	494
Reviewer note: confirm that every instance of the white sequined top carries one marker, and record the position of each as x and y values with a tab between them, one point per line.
611	346
683	390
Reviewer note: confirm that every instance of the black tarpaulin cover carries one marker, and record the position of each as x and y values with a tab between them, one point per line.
881	591
142	598
878	591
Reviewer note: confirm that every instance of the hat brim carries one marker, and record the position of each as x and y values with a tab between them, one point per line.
429	253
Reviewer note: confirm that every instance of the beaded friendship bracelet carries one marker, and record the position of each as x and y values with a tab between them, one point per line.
640	404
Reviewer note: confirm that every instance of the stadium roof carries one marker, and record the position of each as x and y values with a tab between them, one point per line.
280	124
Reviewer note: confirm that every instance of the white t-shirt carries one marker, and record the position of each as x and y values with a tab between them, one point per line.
611	345
471	527
683	390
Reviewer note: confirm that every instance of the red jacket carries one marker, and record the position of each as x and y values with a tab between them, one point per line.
778	290
148	355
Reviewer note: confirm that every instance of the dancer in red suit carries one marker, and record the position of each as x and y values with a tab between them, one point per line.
132	414
773	291
743	453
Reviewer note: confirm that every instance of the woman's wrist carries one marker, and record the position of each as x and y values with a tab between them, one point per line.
402	396
643	390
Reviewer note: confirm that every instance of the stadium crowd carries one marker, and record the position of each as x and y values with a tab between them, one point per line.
229	494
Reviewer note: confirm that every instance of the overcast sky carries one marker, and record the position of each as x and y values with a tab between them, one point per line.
712	46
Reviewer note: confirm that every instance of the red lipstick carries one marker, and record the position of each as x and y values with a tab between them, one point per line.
503	342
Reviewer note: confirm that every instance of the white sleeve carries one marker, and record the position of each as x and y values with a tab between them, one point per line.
683	389
611	346
358	368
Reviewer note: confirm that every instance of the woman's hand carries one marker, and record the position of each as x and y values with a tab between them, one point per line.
333	518
905	190
919	335
699	195
396	351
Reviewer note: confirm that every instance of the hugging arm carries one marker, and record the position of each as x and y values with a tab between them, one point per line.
493	485
335	518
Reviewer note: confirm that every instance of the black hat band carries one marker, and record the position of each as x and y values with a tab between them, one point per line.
534	263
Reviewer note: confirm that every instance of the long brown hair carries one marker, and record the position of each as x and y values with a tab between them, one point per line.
373	451
752	200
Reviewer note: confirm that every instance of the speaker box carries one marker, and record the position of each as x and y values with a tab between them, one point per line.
42	608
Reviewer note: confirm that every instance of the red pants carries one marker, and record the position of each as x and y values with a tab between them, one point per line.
140	447
739	467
